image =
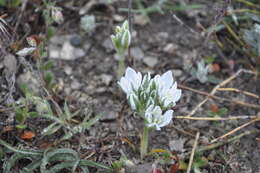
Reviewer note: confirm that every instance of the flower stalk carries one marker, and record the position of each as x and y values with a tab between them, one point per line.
144	141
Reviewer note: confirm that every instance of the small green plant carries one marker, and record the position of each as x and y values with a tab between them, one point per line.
49	161
88	23
65	121
200	72
252	37
23	110
219	113
10	3
121	41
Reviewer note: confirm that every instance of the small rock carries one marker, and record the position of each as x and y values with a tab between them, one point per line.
68	52
162	37
75	40
105	78
177	73
118	18
68	70
150	61
170	48
75	85
54	52
108	45
141	20
177	144
109	115
137	53
58	39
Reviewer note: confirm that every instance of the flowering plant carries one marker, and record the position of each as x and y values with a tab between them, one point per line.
121	41
150	97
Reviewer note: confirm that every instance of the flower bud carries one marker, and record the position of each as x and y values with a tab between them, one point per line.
57	15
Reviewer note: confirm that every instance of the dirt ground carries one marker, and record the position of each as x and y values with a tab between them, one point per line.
162	44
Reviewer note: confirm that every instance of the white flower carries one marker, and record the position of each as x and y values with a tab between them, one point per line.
167	89
25	51
154	117
131	81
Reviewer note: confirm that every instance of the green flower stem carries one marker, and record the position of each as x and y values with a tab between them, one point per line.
144	141
121	66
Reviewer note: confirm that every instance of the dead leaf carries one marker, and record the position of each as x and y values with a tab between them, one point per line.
215	67
214	108
27	135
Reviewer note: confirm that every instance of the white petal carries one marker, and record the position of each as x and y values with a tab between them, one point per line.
125	85
157	111
157	127
25	51
149	109
167	117
167	79
177	95
130	74
132	101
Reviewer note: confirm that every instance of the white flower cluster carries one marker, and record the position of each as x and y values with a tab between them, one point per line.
151	96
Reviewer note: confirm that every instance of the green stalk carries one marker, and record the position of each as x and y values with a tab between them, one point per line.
144	142
121	66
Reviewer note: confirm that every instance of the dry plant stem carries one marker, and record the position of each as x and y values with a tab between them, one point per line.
221	143
240	91
236	129
193	152
221	85
24	4
220	98
248	3
216	118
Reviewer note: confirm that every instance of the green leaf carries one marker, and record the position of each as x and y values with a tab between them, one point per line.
49	154
222	111
93	164
50	32
54	127
19	115
67	112
33	114
47	66
27	152
21	126
88	124
32	166
48	78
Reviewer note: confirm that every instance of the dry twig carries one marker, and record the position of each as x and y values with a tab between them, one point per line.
236	129
221	85
193	152
217	118
240	91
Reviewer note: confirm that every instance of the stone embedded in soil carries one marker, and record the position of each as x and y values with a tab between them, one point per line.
150	61
170	48
105	78
137	53
75	40
75	85
68	70
177	73
108	45
177	144
141	20
68	52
